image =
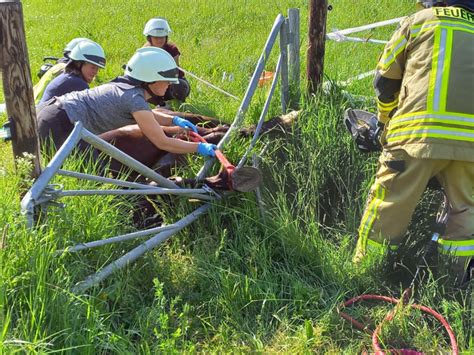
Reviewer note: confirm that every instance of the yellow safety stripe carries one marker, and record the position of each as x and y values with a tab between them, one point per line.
464	117
415	30
436	71
371	244
441	58
431	123
429	133
369	216
467	132
386	110
387	105
391	53
446	67
456	247
428	120
429	25
457	243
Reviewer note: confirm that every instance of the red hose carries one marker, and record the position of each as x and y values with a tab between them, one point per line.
375	335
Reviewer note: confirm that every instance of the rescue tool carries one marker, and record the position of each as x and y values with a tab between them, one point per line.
243	179
365	129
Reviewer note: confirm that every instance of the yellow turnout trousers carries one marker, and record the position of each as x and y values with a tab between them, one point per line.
398	187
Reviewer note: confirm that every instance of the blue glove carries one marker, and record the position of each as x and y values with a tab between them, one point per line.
183	123
207	149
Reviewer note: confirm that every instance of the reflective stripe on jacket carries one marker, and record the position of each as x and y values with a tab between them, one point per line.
456	247
425	85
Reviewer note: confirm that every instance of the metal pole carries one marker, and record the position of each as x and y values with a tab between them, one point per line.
117	154
125	159
262	114
258	191
28	201
250	91
104	180
135	253
120	238
368	27
118	192
342	38
294	56
285	94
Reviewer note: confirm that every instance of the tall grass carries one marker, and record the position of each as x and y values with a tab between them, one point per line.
233	281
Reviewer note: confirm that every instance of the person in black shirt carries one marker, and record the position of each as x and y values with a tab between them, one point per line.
156	31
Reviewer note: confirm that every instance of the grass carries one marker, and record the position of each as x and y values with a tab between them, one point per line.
232	281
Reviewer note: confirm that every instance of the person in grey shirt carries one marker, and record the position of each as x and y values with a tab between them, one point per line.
121	102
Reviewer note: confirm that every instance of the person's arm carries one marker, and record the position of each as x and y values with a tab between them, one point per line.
163	118
166	120
153	131
389	75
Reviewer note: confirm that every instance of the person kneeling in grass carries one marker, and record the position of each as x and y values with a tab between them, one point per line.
49	72
84	62
156	31
121	102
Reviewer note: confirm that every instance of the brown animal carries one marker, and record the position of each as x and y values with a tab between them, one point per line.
132	141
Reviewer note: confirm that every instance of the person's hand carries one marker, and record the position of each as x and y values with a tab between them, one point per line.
207	149
183	123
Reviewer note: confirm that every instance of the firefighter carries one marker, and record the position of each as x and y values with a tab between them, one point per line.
119	103
85	60
425	98
49	72
157	31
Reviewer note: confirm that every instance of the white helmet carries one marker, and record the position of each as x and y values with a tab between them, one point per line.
157	27
74	42
89	51
150	64
425	4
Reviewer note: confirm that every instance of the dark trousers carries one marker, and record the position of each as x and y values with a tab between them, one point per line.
54	125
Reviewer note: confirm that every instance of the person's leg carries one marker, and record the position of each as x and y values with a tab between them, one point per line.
399	184
53	123
131	140
458	241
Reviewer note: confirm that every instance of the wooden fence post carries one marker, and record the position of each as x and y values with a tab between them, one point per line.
317	36
17	85
294	56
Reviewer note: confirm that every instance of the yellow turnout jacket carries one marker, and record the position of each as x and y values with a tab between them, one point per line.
425	85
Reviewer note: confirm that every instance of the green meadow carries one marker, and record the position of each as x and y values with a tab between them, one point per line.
246	277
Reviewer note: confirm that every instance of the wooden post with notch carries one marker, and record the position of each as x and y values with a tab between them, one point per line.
316	37
17	85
